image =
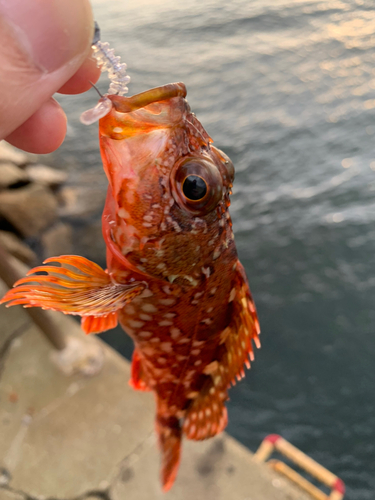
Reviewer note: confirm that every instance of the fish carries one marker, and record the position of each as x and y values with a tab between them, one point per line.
173	279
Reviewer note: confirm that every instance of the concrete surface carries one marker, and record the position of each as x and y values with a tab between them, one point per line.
92	438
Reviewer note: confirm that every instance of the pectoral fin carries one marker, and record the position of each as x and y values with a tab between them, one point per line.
78	287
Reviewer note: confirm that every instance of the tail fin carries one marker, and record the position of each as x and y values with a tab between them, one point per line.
169	434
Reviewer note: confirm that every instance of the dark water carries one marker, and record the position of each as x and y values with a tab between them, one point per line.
287	89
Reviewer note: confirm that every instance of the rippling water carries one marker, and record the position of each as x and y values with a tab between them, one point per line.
287	89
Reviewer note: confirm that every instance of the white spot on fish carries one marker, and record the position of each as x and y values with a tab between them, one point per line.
195	352
211	368
232	295
149	308
165	323
145	335
207	321
191	279
175	333
179	357
198	362
122	213
167	302
117	130
136	324
145	317
146	293
169	315
198	343
206	271
216	254
166	346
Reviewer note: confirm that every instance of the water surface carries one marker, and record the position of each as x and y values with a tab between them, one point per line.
287	89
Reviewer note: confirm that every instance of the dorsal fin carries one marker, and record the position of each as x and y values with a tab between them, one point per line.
207	414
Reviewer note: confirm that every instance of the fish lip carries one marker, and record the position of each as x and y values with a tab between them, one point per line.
129	104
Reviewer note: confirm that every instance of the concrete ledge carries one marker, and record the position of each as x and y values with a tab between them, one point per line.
92	437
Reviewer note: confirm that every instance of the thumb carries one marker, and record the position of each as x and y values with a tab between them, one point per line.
43	43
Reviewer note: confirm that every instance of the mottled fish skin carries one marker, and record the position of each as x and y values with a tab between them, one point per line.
192	327
174	281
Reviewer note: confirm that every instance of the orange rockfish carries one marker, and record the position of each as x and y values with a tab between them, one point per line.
174	281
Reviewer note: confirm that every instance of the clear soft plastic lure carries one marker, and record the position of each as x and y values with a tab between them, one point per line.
107	61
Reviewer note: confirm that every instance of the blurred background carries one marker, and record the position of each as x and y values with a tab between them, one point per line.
287	89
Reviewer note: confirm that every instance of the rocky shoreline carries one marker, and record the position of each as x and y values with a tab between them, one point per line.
31	201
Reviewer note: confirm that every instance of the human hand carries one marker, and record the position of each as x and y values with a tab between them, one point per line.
44	48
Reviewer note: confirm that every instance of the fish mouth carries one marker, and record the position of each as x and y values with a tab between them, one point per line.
129	104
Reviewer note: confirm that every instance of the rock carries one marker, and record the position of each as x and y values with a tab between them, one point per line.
81	201
29	209
10	154
57	240
16	247
11	174
41	174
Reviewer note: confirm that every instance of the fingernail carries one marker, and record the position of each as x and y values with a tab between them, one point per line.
52	32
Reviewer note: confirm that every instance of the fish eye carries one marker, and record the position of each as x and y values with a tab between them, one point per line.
196	185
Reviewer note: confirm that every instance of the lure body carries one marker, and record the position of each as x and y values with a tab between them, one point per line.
174	281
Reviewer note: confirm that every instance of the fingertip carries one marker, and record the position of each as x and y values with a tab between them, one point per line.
43	132
80	81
